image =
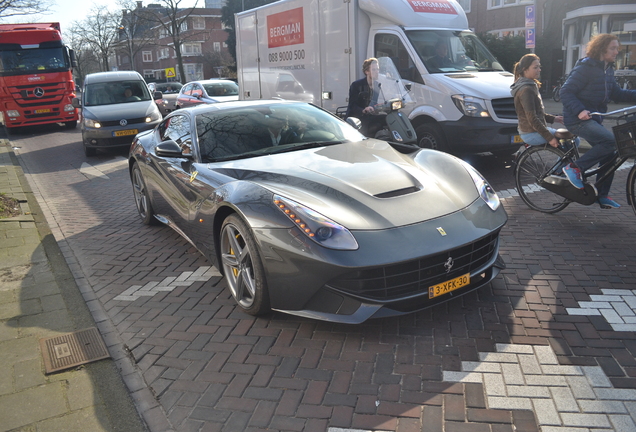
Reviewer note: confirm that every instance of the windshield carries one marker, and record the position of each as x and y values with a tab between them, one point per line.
168	88
268	128
221	89
37	60
444	51
115	92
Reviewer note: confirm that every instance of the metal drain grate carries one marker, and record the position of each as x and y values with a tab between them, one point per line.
73	349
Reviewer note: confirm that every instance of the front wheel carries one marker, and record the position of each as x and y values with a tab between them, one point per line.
430	136
631	188
242	267
534	165
556	94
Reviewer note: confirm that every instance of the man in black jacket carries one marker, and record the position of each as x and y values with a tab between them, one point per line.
363	94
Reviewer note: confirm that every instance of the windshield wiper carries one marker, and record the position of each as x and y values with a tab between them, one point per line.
303	146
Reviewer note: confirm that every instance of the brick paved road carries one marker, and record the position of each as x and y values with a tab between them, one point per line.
527	353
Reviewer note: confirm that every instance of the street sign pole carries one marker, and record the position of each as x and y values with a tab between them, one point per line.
530	28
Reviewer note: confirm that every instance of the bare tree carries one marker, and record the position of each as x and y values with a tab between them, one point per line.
173	21
99	31
84	56
135	29
9	8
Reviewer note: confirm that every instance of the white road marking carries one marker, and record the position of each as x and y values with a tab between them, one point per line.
203	274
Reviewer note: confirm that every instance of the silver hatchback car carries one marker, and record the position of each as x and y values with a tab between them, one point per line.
115	106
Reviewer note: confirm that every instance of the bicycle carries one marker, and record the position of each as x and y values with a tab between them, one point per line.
556	91
539	178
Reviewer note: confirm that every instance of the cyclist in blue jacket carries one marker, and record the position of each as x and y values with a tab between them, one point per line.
589	88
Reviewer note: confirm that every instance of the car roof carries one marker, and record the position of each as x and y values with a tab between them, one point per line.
111	76
209	81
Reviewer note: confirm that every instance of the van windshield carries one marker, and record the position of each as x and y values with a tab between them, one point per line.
115	92
444	51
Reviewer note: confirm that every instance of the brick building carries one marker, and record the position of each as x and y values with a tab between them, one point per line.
203	43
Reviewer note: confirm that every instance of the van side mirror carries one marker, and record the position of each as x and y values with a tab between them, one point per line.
407	86
76	102
352	121
157	95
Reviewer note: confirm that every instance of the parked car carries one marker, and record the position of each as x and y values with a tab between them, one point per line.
170	92
115	106
326	224
207	92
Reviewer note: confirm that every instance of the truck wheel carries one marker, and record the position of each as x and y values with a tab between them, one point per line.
70	124
430	136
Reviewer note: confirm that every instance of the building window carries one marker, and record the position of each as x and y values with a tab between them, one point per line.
149	73
217	46
465	4
183	26
494	4
194	72
163	53
193	48
198	23
146	56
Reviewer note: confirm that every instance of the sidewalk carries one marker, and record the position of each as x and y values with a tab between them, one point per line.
39	298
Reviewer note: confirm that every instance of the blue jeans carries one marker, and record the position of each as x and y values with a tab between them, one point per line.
603	150
535	138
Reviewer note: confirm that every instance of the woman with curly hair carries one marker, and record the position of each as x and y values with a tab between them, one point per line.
589	88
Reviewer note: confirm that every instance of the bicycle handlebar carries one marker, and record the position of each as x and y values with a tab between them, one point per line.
622	110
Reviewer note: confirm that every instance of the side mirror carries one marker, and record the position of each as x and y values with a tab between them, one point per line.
157	95
170	149
354	122
407	87
76	102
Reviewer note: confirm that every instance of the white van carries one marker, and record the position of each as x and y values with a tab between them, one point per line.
462	106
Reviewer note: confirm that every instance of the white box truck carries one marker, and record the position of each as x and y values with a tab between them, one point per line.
311	50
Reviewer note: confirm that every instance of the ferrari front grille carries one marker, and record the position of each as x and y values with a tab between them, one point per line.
412	278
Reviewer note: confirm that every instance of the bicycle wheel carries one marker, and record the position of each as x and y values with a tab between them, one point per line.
631	188
534	164
556	93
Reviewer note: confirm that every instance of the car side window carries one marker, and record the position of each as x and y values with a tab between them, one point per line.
177	129
390	45
187	89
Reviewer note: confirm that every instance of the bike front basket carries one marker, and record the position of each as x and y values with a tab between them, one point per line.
625	135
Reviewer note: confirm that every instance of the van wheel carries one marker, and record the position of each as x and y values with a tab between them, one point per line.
430	136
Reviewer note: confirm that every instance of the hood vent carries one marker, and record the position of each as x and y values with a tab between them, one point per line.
398	192
460	75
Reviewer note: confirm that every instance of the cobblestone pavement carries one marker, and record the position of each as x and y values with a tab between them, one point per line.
537	350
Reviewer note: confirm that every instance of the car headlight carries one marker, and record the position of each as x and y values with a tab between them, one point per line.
320	229
154	116
486	192
92	123
471	106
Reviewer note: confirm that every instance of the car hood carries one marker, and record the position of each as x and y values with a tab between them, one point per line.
363	185
119	111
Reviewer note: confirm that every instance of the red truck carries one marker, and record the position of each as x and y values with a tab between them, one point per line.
36	76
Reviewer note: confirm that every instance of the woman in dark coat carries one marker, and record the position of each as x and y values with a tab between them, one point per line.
589	88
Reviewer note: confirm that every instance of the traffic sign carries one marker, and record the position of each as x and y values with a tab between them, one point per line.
170	73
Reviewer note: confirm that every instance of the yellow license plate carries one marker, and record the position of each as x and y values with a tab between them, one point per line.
448	286
42	111
516	139
126	132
